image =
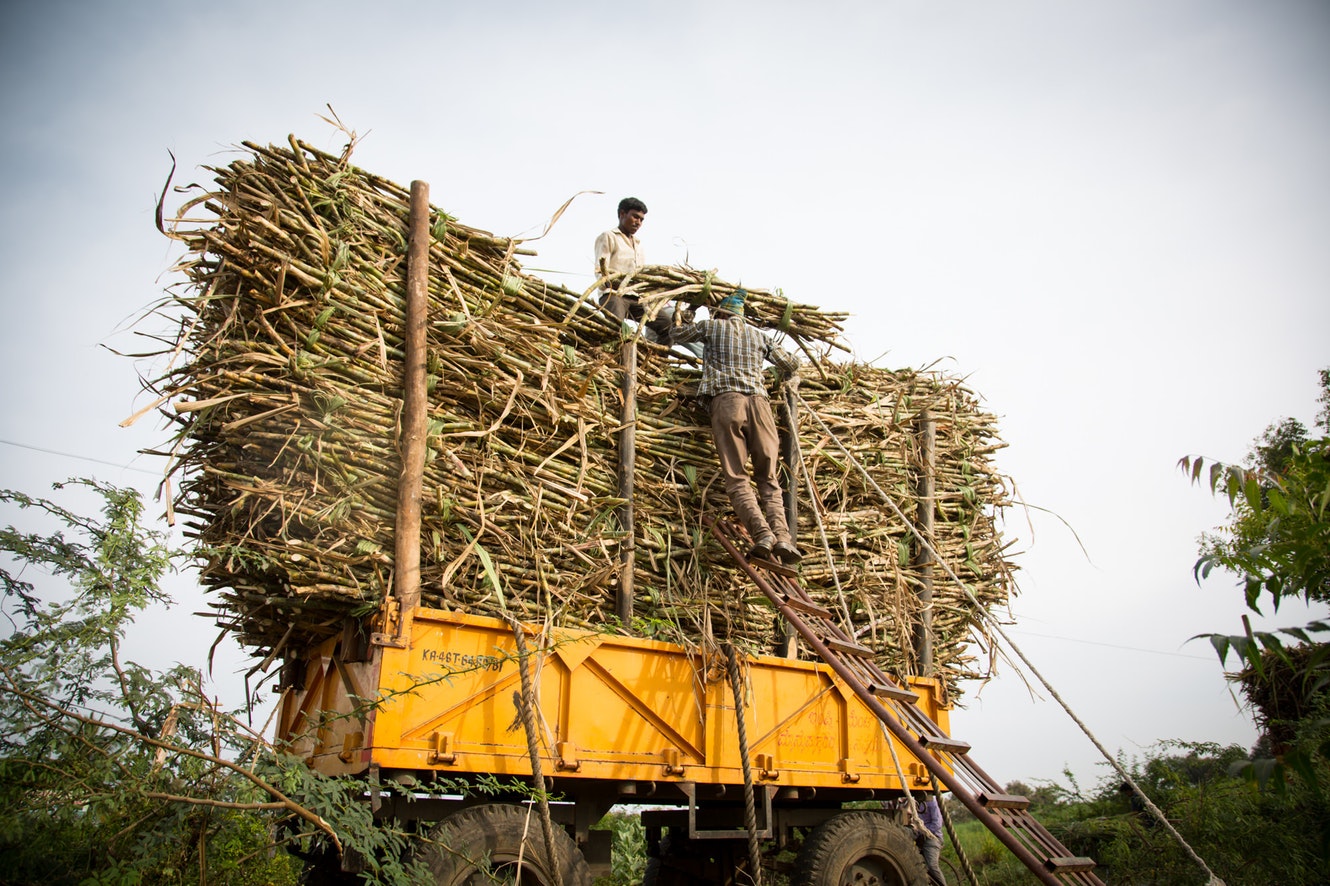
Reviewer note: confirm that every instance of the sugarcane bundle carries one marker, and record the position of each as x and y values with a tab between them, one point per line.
288	402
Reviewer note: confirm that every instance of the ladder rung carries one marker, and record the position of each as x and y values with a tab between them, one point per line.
848	648
1004	801
806	608
941	743
1070	864
773	566
893	692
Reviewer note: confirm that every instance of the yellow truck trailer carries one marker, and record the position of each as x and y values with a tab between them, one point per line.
620	720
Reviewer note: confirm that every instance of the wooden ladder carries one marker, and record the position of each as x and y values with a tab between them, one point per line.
1006	815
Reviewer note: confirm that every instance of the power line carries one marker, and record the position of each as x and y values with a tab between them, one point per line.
1114	646
89	458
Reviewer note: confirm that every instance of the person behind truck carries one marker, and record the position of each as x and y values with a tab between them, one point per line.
930	839
734	390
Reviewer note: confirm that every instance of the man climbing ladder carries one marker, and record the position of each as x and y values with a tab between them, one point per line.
734	391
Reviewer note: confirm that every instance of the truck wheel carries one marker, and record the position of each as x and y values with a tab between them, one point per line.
481	845
863	849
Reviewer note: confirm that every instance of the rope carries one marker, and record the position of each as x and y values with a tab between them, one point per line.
750	810
527	705
984	614
802	468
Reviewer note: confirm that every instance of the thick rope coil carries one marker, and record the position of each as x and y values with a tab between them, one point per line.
750	806
527	705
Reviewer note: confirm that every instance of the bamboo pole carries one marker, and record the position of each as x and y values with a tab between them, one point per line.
789	455
926	430
415	406
627	463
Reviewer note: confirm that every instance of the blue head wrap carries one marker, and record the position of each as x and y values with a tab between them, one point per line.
734	302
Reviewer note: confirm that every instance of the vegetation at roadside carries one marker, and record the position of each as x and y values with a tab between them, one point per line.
111	773
1247	837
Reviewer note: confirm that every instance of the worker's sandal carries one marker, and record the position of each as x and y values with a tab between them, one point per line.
761	549
788	553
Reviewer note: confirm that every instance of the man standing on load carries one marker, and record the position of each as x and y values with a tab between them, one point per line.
734	391
618	256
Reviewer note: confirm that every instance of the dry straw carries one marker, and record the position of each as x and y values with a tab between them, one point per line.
287	402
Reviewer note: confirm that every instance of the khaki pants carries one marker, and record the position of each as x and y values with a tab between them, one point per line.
743	428
629	308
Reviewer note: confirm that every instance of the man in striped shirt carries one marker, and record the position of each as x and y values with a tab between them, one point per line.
734	388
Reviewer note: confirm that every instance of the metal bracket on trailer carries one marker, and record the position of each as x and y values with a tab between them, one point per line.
694	833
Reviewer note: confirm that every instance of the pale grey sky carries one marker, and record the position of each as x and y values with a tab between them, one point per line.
1112	218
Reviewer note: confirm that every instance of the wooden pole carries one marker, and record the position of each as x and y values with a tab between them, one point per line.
789	456
415	406
926	429
627	464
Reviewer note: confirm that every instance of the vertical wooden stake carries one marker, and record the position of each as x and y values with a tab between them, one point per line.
415	408
789	455
922	560
627	464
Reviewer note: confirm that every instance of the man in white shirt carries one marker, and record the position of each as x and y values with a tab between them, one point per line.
618	256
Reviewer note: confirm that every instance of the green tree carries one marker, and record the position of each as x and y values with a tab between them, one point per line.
1248	838
110	773
1277	542
1278	538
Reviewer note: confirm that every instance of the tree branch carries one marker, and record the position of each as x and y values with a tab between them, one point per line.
284	801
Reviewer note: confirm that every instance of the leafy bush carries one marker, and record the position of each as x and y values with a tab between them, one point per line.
111	773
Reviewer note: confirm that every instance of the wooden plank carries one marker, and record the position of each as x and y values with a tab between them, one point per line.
893	692
947	745
806	608
1070	864
774	566
848	648
1003	801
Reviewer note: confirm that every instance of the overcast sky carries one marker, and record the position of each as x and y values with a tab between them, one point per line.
1113	218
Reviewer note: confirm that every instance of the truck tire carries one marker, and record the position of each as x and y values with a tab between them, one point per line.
481	845
861	848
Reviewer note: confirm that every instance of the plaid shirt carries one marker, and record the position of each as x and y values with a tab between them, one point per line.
733	355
